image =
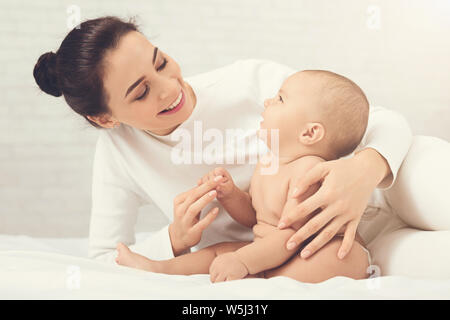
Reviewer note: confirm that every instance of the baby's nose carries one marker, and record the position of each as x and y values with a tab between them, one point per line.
266	103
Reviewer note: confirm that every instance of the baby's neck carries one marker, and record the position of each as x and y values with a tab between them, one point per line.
285	157
270	159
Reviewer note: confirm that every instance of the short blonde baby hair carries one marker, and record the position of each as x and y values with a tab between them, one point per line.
345	111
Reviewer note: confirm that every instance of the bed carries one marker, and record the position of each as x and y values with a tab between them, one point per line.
52	268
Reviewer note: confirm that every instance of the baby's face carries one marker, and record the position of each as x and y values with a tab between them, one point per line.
294	105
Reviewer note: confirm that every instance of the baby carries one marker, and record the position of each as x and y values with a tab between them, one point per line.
320	116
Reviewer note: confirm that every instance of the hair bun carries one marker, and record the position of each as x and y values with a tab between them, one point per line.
45	74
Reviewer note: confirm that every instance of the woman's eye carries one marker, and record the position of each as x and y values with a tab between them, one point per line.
281	99
142	96
163	65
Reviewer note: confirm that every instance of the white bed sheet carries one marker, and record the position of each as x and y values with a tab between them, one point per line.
38	268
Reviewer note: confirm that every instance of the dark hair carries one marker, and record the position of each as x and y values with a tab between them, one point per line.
76	70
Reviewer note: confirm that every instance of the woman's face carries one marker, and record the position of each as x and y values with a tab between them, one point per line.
142	82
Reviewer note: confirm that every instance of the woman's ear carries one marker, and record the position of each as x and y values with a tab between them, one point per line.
104	121
312	133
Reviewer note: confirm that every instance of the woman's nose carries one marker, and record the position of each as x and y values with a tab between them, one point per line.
163	95
168	87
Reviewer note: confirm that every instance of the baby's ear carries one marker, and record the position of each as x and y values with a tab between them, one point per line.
311	133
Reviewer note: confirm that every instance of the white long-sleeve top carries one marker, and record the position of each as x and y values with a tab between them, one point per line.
133	167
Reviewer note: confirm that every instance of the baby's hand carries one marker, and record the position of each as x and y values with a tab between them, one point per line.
225	188
227	267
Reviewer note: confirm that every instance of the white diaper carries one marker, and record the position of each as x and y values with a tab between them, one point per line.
368	254
369	258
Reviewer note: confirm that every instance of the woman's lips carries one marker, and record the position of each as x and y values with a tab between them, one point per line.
177	108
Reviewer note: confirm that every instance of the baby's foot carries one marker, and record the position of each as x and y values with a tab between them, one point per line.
128	258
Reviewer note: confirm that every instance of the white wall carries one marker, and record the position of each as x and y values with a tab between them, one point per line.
397	51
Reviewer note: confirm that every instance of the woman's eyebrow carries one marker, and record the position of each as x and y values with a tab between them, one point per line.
134	85
155	52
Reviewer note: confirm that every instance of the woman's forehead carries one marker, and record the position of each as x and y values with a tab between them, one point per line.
124	64
131	49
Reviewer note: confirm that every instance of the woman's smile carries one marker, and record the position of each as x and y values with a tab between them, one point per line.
175	106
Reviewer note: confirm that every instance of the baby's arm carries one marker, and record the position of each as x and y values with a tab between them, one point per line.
270	251
239	206
236	202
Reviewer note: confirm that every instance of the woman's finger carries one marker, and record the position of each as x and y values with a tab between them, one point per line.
316	174
195	193
205	221
311	227
182	196
349	237
303	209
195	209
322	238
179	198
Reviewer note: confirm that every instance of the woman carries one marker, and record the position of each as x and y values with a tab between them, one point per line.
121	83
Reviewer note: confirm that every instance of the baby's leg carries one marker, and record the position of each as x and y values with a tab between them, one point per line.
191	263
325	264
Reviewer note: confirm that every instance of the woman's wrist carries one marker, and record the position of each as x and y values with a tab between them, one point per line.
375	165
177	247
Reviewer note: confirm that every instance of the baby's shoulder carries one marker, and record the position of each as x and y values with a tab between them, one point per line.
298	168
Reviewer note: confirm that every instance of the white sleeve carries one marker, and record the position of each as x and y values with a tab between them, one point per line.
114	212
389	133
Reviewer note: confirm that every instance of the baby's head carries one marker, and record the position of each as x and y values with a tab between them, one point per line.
317	113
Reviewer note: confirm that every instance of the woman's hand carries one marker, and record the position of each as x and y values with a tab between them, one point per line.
186	229
347	185
226	186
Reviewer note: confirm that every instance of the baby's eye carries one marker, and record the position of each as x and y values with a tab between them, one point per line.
281	99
